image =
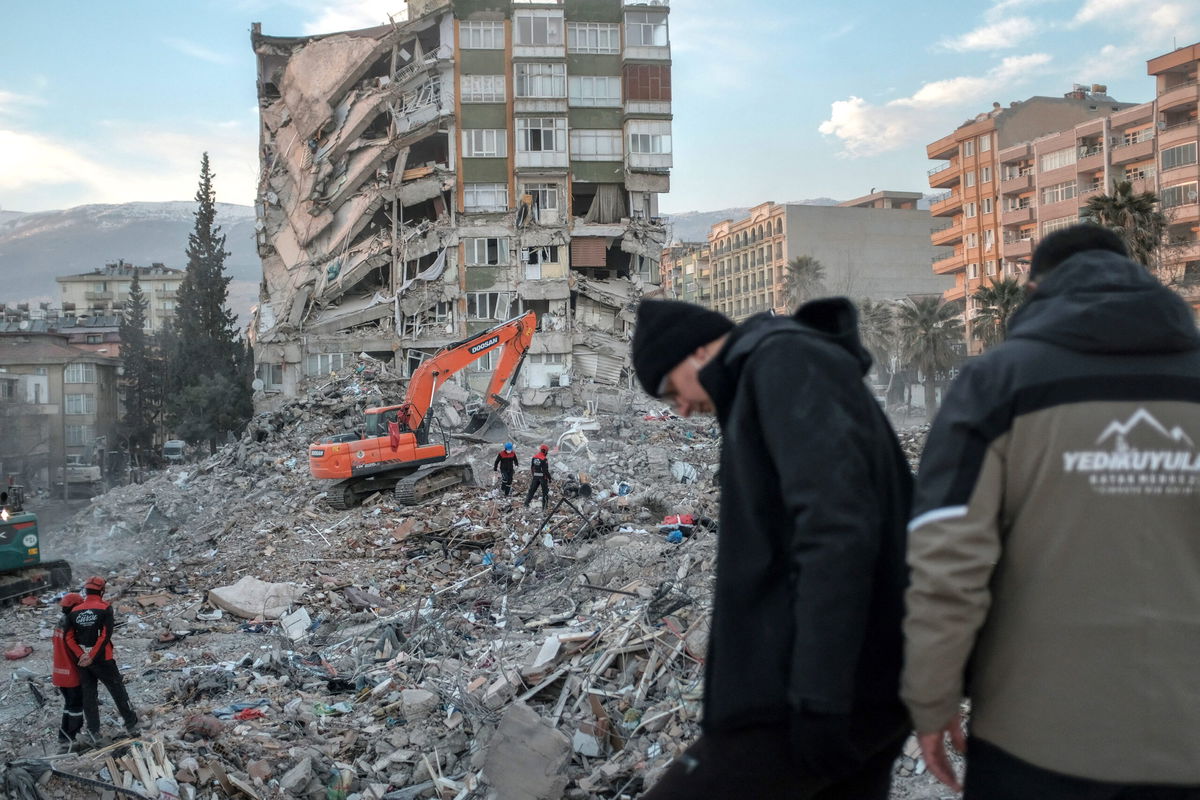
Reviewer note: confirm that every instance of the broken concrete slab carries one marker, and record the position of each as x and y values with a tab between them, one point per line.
527	757
252	598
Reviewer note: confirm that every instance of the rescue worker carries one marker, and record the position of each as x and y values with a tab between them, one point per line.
89	639
66	677
506	465
539	469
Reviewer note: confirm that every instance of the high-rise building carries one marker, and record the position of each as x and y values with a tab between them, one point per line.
874	247
426	179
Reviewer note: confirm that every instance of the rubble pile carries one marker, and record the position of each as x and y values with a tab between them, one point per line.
464	648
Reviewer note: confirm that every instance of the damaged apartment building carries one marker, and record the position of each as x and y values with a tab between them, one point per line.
422	180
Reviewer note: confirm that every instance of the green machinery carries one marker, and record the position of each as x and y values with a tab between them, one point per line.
22	571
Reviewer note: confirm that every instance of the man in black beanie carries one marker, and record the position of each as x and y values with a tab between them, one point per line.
801	684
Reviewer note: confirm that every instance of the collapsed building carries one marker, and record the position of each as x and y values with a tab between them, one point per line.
424	179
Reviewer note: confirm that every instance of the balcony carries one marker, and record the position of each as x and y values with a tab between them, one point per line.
945	175
943	266
947	236
1185	94
98	296
945	204
1017	216
1177	132
1090	157
1014	249
1188	212
1134	151
945	147
1021	182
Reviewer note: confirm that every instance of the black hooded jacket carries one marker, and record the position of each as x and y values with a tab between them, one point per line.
815	496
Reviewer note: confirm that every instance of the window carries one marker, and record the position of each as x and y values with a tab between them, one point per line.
969	147
990	266
95	338
985	175
325	363
1179	156
537	30
1058	158
1183	194
547	358
485	363
481	35
1059	192
542	134
79	435
545	196
8	389
593	37
1133	137
987	205
972	240
972	271
985	143
486	305
649	143
486	252
1052	225
81	404
271	375
969	210
534	257
645	29
971	178
80	373
483	89
485	196
589	90
1138	173
989	241
484	143
541	80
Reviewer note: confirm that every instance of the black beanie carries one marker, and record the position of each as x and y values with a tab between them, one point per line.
667	332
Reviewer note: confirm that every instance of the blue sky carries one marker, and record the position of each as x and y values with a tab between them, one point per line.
780	100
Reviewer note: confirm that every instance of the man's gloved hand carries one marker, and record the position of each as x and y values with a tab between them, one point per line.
822	744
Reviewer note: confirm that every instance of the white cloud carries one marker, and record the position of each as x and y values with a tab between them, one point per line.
15	102
350	14
1157	32
199	51
866	129
1098	10
997	35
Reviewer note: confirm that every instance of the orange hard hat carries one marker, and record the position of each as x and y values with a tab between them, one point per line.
71	599
96	583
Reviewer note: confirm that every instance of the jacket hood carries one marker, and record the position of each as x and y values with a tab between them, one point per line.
1099	301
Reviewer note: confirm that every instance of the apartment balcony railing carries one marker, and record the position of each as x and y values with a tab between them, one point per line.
1017	216
953	263
98	295
1018	247
940	168
1134	150
945	204
1018	182
1178	95
946	236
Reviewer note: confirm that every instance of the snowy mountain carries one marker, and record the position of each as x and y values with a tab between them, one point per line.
692	226
37	247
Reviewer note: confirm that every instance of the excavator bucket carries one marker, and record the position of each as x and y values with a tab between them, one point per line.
480	421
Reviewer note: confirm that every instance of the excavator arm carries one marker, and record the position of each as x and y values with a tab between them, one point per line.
512	338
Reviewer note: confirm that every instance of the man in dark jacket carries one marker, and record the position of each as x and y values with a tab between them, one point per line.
539	476
506	464
89	639
801	694
1055	556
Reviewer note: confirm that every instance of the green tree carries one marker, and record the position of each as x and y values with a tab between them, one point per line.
1134	217
995	304
931	338
204	347
805	279
877	328
141	381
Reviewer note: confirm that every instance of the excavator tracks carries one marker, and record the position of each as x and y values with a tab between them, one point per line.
342	496
414	489
34	580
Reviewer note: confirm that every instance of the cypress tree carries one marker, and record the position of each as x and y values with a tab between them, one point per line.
208	396
141	377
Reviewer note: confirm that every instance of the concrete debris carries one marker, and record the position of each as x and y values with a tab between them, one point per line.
446	650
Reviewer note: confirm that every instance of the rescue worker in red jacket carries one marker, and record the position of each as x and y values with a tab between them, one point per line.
89	639
506	464
539	469
66	678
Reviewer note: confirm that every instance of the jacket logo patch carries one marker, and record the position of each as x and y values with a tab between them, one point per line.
85	619
1140	456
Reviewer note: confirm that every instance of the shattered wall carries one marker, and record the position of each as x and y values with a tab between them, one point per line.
425	179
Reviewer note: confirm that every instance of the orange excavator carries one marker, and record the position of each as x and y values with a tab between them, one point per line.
399	450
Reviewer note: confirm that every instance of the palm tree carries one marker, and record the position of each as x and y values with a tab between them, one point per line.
1134	217
995	305
877	328
931	335
805	279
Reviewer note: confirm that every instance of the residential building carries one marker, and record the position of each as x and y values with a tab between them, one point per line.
687	272
56	400
874	247
427	179
975	183
104	291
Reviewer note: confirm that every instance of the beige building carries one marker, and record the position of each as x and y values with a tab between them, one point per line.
687	272
876	247
424	180
104	291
